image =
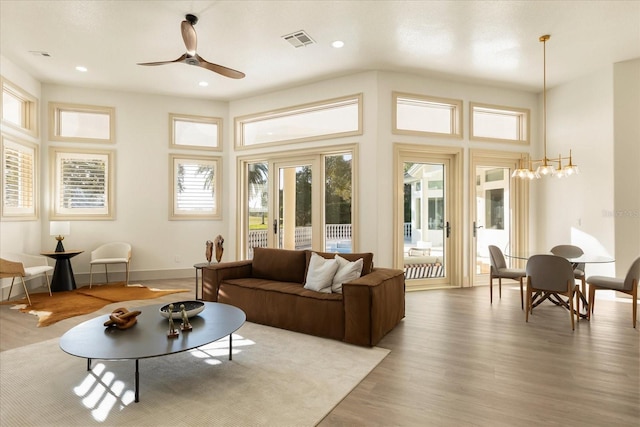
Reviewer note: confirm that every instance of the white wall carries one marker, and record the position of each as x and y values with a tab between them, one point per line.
570	210
161	248
562	214
20	236
626	212
375	168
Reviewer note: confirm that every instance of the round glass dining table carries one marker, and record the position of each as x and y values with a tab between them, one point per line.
575	261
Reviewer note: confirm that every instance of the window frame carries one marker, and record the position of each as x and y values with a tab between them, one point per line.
292	111
524	123
58	213
20	213
217	121
30	109
181	215
455	116
55	110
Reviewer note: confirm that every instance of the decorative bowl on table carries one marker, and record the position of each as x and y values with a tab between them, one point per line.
192	308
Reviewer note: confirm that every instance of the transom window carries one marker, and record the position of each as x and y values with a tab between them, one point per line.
19	109
81	123
195	132
19	179
195	190
507	124
420	115
321	120
82	183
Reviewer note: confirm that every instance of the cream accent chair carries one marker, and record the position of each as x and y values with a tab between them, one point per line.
628	285
551	274
500	271
26	267
110	253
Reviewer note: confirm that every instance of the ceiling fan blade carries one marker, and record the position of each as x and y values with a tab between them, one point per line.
189	36
227	72
181	59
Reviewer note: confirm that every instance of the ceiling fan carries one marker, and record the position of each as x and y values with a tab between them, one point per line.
191	57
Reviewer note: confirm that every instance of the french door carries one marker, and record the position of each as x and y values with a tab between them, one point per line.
428	231
498	209
297	201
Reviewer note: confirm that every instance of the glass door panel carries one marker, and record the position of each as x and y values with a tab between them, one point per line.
338	197
492	225
257	177
296	205
426	223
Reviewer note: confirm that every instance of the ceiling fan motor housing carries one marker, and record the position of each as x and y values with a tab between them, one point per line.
193	19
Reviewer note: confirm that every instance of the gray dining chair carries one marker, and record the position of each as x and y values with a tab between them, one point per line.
628	285
571	251
500	271
551	274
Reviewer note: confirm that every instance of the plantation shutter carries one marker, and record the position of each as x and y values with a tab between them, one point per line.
83	183
195	192
18	162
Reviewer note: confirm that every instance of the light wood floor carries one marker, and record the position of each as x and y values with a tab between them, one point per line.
456	360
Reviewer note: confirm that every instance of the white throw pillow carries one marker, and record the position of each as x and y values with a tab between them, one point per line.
320	273
347	271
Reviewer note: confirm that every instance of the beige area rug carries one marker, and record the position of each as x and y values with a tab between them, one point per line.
62	305
276	378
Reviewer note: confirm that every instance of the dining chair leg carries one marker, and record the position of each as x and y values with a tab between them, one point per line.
106	273
490	289
90	275
592	300
521	295
500	287
571	294
529	301
634	301
127	268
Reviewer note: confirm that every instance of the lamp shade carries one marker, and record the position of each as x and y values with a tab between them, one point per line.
59	228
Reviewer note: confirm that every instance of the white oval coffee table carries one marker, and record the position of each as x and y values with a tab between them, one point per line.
148	337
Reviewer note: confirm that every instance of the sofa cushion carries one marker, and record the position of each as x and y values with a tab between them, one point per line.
320	274
347	271
367	259
279	264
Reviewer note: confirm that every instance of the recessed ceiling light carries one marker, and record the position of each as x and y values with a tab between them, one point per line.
337	44
81	69
204	84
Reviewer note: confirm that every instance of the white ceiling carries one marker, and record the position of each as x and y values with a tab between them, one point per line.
494	42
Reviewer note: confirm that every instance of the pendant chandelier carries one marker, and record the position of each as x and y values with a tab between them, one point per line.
545	166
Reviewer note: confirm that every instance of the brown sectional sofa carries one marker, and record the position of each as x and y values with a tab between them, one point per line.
269	289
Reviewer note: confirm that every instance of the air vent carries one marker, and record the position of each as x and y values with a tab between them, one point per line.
299	39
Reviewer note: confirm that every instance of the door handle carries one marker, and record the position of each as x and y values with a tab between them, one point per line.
475	228
275	226
448	228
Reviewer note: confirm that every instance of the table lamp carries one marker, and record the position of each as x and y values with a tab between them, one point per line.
59	229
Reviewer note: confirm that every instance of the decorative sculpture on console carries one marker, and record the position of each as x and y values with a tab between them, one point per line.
209	252
219	249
